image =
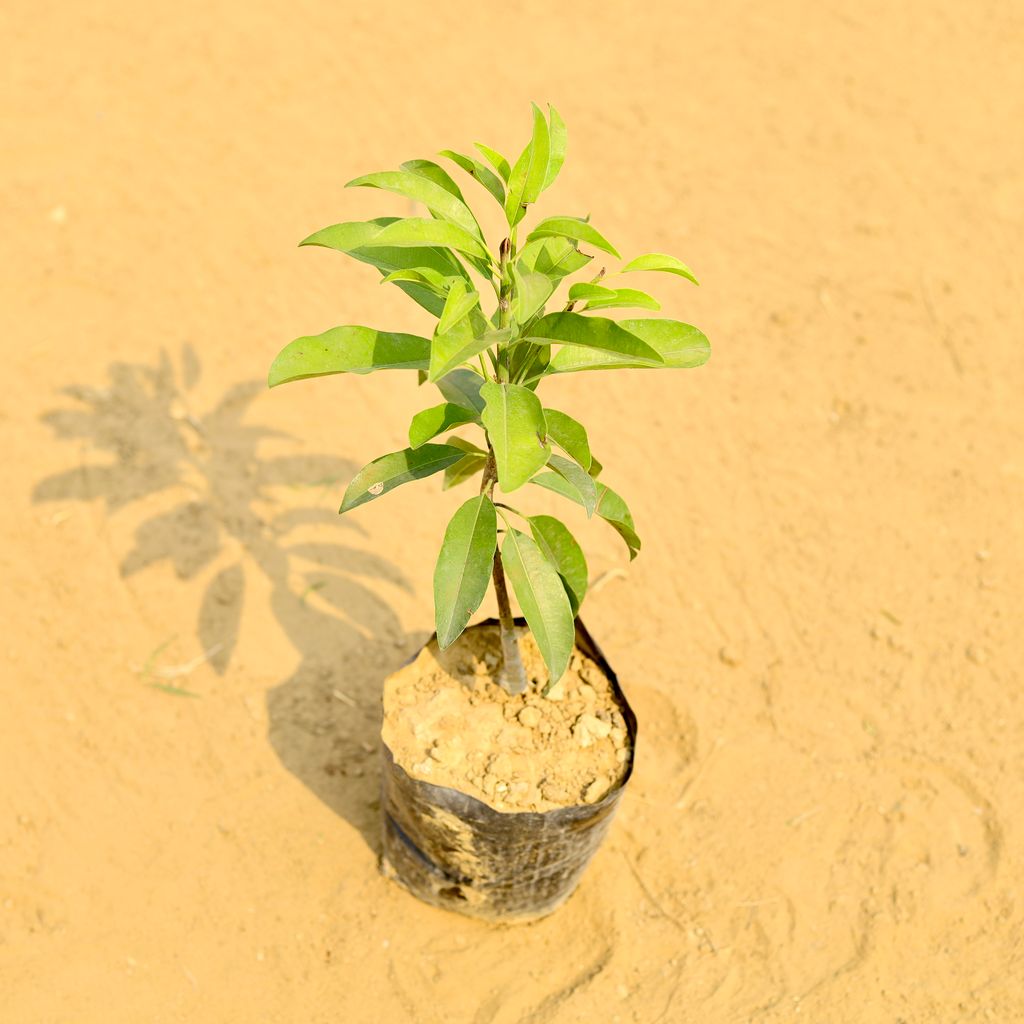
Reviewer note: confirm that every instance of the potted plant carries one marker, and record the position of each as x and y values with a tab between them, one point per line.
507	743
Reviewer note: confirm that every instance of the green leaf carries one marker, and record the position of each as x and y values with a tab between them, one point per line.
463	470
554	257
681	346
613	510
467	446
578	479
622	297
416	232
464	567
564	553
557	139
391	471
569	435
527	178
543	599
659	261
498	162
532	290
435	197
595	468
438	418
583	291
481	172
597	296
574	228
459	345
436	173
424	276
514	420
541	265
457	305
462	387
610	507
593	332
350	237
348	350
469	465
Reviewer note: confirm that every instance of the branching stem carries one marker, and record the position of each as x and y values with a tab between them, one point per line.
512	676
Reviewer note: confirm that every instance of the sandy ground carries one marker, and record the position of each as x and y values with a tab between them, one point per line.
822	638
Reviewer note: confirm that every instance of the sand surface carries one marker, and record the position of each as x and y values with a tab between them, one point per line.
822	638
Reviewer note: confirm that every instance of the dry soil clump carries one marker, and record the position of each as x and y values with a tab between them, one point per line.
448	722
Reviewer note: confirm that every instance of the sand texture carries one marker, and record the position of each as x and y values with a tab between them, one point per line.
821	638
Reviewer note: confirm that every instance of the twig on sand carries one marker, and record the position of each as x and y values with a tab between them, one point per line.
151	674
654	902
176	671
690	786
605	577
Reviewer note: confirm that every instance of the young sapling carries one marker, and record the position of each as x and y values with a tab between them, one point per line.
488	364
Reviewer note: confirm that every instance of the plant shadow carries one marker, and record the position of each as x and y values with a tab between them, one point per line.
217	519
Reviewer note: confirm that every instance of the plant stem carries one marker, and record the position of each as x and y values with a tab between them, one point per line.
504	304
512	675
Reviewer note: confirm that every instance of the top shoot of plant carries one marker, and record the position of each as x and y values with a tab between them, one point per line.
487	366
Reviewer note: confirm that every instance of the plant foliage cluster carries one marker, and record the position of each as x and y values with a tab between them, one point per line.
487	360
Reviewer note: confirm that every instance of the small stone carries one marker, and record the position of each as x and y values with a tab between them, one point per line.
447	753
728	656
595	791
976	654
529	717
489	783
594	725
501	787
618	737
582	735
587	693
424	767
556	794
511	738
622	755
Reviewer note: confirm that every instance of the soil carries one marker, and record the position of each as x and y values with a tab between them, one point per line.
447	721
821	637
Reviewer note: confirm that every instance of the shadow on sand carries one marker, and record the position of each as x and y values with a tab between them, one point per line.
139	438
